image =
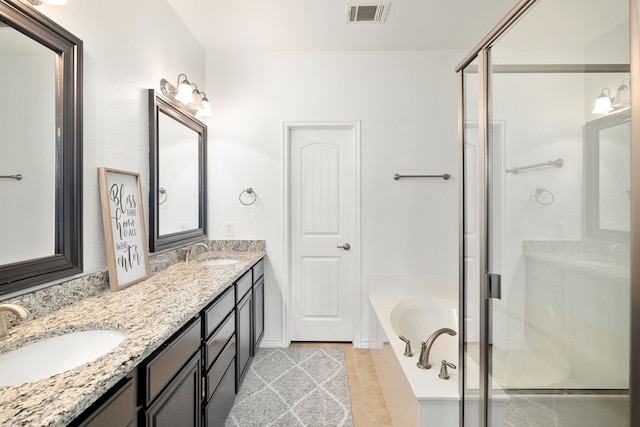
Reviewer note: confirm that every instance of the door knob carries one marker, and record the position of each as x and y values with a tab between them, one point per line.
346	246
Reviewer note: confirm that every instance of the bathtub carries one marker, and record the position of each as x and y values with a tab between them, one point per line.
416	318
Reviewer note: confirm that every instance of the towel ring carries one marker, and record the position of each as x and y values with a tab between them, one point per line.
540	191
250	193
162	190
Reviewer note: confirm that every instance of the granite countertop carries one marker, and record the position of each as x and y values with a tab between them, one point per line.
575	255
148	313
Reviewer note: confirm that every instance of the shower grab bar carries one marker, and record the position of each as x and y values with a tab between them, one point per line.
445	176
557	163
17	177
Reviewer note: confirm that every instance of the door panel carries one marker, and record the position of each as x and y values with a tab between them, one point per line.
323	218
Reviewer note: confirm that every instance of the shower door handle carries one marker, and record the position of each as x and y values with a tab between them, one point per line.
346	246
494	286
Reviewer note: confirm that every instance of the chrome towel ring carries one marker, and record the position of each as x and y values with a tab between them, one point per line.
162	190
250	197
544	200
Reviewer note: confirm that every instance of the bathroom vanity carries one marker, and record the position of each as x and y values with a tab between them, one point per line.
191	332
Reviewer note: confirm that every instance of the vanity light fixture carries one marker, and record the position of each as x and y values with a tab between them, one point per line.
205	111
184	94
605	103
51	2
623	95
194	100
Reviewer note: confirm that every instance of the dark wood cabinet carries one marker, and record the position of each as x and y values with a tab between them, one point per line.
258	313
219	355
171	381
117	408
244	335
179	404
192	379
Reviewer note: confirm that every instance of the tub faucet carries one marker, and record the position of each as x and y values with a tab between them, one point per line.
423	361
191	252
407	347
18	310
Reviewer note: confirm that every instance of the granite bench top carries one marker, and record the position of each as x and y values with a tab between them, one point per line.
148	313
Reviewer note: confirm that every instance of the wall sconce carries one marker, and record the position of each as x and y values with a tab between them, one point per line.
188	94
51	2
605	103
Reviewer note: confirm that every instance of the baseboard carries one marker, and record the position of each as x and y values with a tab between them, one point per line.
271	344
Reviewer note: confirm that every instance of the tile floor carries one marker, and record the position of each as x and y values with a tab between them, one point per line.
380	394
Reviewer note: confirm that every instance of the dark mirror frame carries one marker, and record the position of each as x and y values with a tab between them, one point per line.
157	242
67	258
592	176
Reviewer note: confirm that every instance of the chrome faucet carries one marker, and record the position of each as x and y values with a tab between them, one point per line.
423	361
18	310
407	347
191	252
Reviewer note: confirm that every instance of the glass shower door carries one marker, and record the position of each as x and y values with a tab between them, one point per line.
558	218
546	218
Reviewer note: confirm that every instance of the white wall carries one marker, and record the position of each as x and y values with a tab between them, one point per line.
128	47
406	102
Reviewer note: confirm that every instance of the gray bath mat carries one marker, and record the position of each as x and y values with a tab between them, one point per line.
294	387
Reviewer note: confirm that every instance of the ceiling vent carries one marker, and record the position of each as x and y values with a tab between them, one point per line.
367	13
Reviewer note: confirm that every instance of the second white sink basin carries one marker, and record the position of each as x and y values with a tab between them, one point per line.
55	355
219	261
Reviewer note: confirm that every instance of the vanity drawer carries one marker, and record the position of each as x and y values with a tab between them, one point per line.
243	285
220	367
215	314
163	367
216	343
219	407
258	270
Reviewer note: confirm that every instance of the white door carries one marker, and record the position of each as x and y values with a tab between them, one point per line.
323	233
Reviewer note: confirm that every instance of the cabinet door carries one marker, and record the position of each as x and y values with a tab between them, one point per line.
244	319
117	411
220	405
179	404
258	314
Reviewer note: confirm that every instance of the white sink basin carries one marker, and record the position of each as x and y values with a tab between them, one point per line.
219	261
55	355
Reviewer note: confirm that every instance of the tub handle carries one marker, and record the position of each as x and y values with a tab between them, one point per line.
444	373
407	347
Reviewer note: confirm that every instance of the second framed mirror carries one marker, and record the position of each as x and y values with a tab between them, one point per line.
177	169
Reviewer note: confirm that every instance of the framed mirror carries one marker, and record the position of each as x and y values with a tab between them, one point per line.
177	168
41	149
607	183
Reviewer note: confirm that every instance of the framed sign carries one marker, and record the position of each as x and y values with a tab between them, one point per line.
124	234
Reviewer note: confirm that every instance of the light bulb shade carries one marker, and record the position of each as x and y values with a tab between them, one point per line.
623	96
206	109
197	100
603	104
184	94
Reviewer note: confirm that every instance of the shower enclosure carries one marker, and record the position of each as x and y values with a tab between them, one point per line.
545	224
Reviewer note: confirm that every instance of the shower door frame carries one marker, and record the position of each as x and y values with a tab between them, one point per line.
481	53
